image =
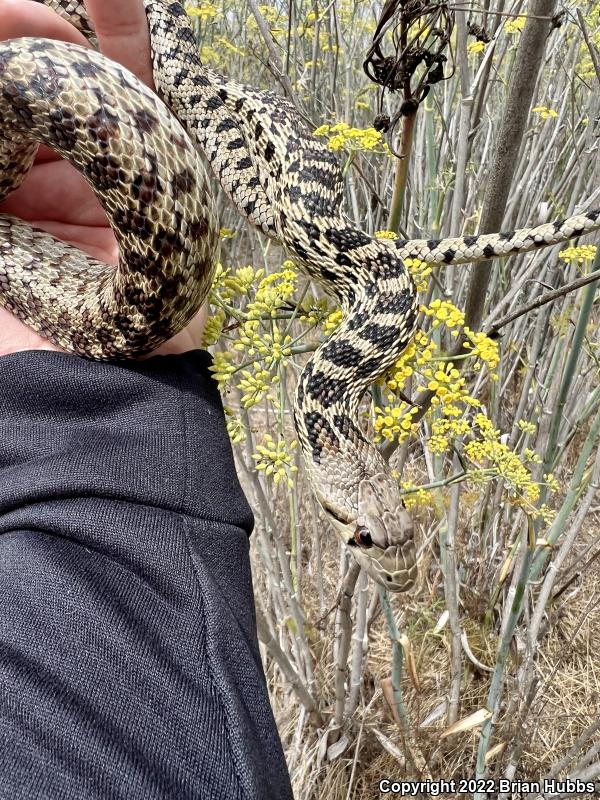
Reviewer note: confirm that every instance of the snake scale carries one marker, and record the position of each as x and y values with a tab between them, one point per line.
141	156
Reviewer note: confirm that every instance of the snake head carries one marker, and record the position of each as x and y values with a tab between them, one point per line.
383	540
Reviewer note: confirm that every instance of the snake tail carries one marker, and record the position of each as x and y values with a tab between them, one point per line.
468	249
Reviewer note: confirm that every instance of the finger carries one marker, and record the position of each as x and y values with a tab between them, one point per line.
122	32
24	18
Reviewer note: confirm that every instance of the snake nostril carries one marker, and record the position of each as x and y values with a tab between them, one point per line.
363	537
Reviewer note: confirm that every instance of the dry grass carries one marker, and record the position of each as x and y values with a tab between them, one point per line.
567	698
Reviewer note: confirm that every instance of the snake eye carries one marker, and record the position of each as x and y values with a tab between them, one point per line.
363	537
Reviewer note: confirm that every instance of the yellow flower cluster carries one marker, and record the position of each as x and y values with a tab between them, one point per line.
420	271
443	311
273	347
275	459
332	321
414	495
321	313
203	11
209	56
256	385
579	255
515	25
526	426
235	427
275	20
551	481
314	311
393	423
273	291
476	47
484	348
420	361
494	458
214	327
402	369
222	368
266	294
531	455
342	136
443	381
448	427
449	389
228	285
545	112
438	444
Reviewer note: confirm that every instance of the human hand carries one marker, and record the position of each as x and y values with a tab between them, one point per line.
54	195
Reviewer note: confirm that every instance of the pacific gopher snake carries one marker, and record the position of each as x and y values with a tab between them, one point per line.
145	169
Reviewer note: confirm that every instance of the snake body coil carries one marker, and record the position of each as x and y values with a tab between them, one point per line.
148	176
146	171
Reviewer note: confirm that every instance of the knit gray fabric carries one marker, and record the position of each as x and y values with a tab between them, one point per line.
129	665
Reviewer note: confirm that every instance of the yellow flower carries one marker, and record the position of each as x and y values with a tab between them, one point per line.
526	426
255	385
274	347
275	459
222	368
476	47
208	55
515	25
213	328
274	291
545	112
492	458
332	322
414	495
579	255
438	444
483	347
394	423
336	142
341	136
203	11
420	272
235	427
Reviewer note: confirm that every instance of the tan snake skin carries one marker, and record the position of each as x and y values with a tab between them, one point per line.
146	172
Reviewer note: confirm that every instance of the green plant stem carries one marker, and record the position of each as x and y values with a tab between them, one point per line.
573	493
498	676
397	661
456	478
589	293
406	140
